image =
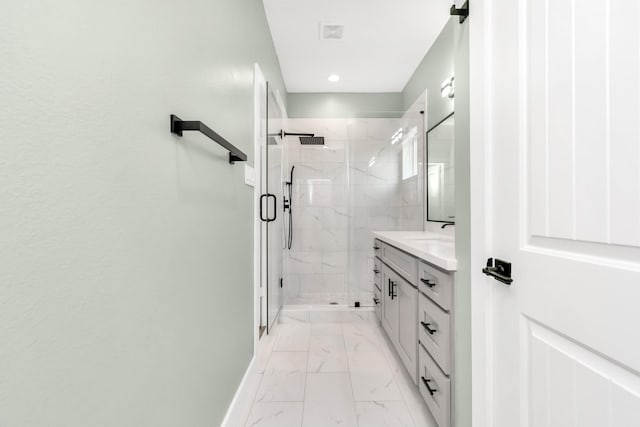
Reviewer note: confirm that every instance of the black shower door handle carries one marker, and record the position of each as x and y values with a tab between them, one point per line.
262	218
267	196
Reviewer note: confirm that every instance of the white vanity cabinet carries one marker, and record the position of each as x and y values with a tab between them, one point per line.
415	310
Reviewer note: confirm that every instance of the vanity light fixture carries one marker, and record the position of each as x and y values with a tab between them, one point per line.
447	90
334	78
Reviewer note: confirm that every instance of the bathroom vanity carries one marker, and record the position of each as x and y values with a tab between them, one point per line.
413	293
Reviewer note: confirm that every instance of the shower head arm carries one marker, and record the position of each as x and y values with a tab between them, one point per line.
285	134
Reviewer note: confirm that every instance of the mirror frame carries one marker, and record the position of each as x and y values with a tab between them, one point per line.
426	175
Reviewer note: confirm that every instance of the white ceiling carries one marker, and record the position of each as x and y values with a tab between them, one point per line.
383	43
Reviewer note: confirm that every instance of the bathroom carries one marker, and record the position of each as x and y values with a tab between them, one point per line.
318	212
343	176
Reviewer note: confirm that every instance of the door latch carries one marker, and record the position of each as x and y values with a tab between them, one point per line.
501	271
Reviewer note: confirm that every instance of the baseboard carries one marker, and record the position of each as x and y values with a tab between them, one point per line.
244	395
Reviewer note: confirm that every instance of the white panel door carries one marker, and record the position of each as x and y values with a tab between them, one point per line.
563	128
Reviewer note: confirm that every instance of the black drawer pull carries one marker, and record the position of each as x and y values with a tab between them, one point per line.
426	326
376	271
375	248
393	293
426	384
428	283
376	301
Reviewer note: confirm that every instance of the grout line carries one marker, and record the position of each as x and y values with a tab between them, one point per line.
306	379
353	393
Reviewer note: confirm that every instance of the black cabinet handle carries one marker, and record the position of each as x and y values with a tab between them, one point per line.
428	329
392	292
375	248
375	271
389	287
428	283
426	384
376	301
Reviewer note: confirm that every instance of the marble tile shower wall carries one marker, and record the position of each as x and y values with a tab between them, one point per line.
379	199
341	192
317	261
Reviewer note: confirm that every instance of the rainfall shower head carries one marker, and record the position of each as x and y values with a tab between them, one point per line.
305	138
312	140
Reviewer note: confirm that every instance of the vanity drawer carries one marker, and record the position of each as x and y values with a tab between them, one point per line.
437	338
377	302
436	284
439	399
403	263
377	277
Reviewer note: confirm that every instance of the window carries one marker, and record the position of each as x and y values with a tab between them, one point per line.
410	154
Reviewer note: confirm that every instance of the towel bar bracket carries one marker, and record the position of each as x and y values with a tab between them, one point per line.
178	126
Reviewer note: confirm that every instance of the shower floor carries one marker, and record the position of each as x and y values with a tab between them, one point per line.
317	299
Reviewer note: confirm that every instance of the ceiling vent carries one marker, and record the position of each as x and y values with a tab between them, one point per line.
331	31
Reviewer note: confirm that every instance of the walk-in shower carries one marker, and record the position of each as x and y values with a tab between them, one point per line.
346	185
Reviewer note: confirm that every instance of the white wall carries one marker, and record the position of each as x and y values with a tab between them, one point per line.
125	257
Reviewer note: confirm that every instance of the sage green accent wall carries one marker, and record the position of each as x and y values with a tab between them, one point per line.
436	66
462	386
126	294
449	56
342	105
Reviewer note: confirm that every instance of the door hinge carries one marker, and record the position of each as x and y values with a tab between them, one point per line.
463	12
501	270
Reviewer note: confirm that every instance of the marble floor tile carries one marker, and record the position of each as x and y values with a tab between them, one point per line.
326	329
358	343
359	329
326	414
332	371
293	341
327	354
282	387
371	377
384	414
328	388
275	414
288	329
287	361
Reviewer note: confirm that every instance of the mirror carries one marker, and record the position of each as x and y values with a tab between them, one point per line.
440	172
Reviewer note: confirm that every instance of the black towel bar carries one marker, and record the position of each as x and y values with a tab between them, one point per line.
178	126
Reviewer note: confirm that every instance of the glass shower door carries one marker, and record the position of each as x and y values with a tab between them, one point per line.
271	203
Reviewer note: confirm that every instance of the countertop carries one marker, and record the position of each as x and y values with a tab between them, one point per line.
436	249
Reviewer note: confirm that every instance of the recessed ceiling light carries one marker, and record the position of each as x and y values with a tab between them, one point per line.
334	78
